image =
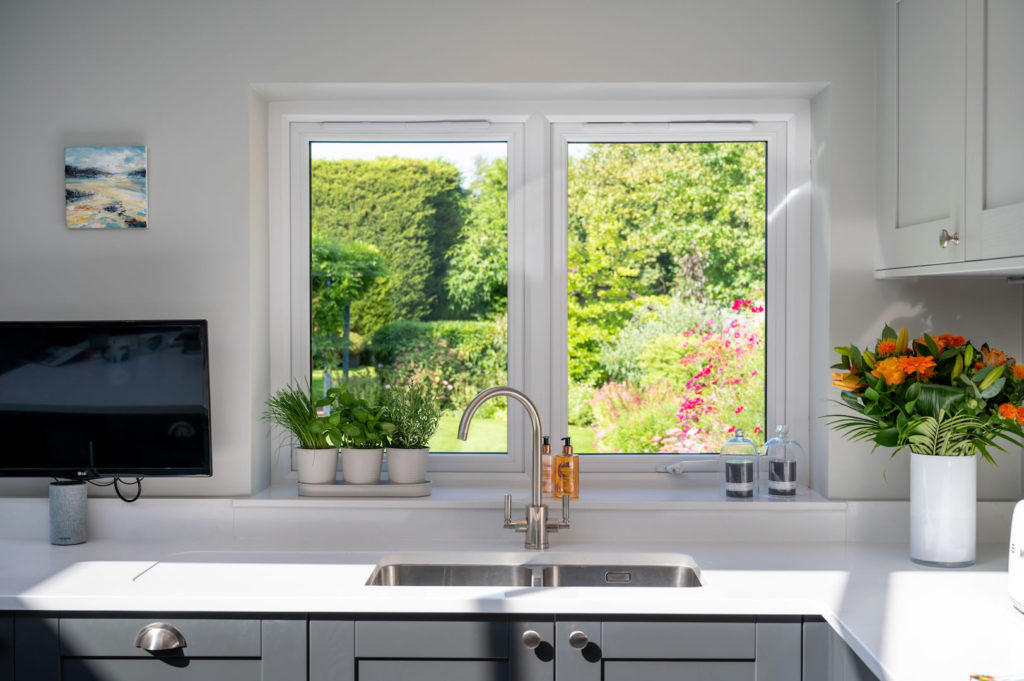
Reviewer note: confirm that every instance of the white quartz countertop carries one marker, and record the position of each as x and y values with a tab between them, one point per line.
906	622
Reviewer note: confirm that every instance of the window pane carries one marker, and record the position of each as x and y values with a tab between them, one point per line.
666	295
409	274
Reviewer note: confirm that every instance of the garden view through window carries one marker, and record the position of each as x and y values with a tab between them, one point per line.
666	282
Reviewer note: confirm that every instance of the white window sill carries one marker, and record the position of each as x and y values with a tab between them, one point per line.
691	496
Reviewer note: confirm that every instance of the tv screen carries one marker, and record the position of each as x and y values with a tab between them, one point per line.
104	399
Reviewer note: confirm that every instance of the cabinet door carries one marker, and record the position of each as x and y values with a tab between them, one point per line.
6	646
531	650
922	133
995	129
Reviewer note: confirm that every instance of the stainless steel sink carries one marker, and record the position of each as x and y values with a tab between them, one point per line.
528	574
620	575
451	575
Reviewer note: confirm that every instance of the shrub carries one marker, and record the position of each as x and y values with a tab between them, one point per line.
461	358
702	384
630	419
647	349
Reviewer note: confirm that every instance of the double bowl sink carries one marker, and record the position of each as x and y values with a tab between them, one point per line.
681	571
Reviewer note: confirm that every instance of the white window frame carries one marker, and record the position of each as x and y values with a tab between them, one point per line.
773	133
540	127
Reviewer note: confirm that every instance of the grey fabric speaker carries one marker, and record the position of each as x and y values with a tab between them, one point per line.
67	512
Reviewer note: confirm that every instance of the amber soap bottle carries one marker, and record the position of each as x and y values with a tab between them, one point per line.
567	472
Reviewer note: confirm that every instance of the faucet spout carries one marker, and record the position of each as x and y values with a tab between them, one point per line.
536	524
535	426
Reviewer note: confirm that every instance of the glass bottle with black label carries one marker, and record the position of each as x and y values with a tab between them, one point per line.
739	467
782	453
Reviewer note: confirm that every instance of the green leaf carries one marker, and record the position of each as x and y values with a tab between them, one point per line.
935	399
888	333
887	437
856	359
994	389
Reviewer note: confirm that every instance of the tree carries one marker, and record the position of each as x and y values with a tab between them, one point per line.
411	209
340	273
477	281
656	219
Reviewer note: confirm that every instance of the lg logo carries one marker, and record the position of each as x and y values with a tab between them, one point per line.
1015	550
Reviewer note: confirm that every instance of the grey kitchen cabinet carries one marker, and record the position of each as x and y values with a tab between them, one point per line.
102	648
6	646
951	143
826	656
430	649
545	648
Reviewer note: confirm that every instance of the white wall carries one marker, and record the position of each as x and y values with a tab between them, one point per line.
176	77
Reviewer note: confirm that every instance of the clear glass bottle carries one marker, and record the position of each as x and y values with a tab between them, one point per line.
739	466
782	452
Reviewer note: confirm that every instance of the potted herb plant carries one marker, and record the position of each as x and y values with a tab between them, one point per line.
294	409
362	431
415	411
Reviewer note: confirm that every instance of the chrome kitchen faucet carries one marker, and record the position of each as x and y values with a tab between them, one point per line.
536	524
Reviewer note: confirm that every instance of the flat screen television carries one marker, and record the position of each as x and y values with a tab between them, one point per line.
102	399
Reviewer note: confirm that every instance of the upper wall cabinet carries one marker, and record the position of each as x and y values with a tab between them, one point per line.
951	194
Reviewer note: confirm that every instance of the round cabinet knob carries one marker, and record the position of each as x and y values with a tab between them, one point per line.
531	639
578	640
158	637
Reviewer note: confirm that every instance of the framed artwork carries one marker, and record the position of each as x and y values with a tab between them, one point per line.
105	187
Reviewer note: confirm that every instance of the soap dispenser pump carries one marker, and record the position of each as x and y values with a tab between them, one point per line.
567	471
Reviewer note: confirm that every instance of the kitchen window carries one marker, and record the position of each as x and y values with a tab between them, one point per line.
556	213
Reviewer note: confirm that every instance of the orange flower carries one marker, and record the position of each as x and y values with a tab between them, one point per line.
1018	370
890	370
993	357
922	365
979	365
951	341
850	381
1008	410
886	347
1020	415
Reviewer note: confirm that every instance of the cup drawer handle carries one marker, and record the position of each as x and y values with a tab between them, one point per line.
159	637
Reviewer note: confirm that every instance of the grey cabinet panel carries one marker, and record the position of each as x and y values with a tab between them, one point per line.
632	670
90	669
284	649
6	647
578	665
37	656
332	650
115	637
678	640
433	670
816	650
778	650
537	664
432	639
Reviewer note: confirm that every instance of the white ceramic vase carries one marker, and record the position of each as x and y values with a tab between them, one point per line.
361	466
407	465
943	509
317	466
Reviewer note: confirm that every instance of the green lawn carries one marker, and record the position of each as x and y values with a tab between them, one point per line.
489	435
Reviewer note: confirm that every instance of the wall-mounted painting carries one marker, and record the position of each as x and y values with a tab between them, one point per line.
105	187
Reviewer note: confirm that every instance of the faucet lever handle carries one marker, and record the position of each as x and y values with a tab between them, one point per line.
565	510
508	510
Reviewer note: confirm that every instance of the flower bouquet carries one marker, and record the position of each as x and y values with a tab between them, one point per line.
945	400
940	396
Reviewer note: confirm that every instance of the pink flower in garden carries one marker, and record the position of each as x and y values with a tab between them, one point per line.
731	429
738	409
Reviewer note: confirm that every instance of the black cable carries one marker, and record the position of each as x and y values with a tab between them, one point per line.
117	482
137	483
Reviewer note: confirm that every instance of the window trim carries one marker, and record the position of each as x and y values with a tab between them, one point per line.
539	108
